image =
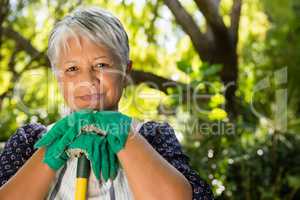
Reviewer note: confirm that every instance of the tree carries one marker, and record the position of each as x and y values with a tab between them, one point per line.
218	45
180	45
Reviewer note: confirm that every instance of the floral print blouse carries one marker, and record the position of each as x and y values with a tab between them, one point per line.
19	148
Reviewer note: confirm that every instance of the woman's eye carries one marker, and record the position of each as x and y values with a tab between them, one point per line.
71	69
101	65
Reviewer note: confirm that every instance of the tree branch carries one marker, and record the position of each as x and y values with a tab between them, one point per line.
185	20
150	29
25	45
235	19
154	81
186	92
22	42
4	10
15	75
210	10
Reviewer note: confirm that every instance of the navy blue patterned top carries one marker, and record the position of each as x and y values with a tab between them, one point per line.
19	148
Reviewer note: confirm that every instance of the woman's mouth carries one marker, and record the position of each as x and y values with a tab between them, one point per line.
91	97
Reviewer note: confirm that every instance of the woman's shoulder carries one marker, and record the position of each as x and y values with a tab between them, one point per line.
152	129
25	135
163	139
18	149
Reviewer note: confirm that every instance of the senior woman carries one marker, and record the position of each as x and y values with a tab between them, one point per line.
89	53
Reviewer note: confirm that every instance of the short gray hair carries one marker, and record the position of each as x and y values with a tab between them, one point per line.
99	25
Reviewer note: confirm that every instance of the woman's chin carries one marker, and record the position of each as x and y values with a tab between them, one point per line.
93	106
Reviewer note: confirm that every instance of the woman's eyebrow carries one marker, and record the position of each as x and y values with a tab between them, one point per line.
74	61
70	61
99	57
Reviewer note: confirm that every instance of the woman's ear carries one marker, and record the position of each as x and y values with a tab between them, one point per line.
129	66
127	72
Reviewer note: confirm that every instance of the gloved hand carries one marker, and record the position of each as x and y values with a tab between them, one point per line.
54	161
95	147
117	127
104	138
112	128
60	135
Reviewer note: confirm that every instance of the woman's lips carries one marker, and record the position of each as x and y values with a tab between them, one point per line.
91	97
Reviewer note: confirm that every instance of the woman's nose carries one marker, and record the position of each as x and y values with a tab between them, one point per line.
91	78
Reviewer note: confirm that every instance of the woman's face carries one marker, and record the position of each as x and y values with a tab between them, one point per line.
89	76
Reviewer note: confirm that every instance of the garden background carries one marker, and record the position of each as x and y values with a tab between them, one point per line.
224	73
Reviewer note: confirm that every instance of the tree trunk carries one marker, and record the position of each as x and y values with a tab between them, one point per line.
216	46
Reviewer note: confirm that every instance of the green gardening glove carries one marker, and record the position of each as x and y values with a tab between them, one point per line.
108	135
117	127
62	134
111	125
54	162
95	147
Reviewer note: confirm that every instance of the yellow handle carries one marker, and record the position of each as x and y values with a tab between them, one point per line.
81	188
